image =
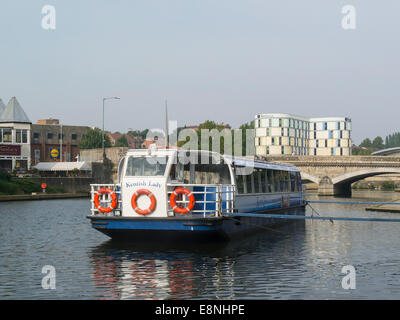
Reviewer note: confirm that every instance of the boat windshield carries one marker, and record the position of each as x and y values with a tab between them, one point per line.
146	166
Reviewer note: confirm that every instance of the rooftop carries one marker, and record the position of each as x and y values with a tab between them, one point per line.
13	112
62	166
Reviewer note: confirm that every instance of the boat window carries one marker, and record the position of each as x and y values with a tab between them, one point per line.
293	187
299	183
216	171
285	175
270	181
240	184
277	180
146	166
249	179
261	177
176	173
256	185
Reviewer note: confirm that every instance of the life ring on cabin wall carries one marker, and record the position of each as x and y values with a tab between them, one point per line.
148	193
174	206
114	200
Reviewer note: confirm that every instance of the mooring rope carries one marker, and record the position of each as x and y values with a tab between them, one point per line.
284	216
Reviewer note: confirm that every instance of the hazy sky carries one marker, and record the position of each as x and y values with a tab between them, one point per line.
223	60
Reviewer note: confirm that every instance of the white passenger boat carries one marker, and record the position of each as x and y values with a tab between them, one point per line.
169	194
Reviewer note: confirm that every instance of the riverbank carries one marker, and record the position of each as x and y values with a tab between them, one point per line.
395	208
42	196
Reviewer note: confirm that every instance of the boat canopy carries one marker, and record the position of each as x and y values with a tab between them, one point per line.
62	166
249	162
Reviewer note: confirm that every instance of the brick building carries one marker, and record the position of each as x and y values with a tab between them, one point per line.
52	141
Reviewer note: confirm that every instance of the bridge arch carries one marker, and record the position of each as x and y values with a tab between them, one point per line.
306	176
350	177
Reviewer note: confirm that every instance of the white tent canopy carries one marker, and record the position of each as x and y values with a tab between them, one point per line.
62	166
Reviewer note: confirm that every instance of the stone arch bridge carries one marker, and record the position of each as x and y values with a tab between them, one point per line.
335	174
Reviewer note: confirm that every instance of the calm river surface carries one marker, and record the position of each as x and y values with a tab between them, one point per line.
302	260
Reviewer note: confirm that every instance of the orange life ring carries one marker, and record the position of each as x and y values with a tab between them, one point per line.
172	201
152	206
114	200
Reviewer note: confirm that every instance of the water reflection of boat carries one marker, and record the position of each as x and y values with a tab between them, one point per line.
179	271
193	195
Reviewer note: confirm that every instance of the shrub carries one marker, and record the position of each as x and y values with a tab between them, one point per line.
7	187
28	185
388	185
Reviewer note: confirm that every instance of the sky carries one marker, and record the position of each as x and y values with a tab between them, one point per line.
221	60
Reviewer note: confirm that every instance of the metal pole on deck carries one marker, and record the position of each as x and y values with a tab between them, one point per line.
166	125
102	142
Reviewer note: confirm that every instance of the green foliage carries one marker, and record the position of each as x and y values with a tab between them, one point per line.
122	142
392	140
12	186
366	143
4	175
378	143
93	139
388	185
357	151
220	127
137	133
28	185
7	187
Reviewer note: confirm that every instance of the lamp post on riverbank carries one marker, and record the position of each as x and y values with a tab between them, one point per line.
104	149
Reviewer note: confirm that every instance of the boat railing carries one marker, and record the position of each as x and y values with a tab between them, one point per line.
210	199
105	199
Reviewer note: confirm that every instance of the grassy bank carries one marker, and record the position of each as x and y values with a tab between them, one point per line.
10	185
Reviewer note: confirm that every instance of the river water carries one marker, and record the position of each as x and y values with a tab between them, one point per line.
301	260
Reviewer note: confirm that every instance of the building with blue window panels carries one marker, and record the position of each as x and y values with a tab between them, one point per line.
287	134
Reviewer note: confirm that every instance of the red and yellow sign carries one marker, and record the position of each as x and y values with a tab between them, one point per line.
54	153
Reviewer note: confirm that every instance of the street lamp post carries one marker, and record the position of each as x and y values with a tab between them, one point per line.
104	149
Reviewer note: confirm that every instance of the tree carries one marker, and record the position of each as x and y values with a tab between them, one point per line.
392	140
93	138
228	132
366	143
122	142
139	134
378	143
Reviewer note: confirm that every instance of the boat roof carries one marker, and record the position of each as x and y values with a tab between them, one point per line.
62	166
240	161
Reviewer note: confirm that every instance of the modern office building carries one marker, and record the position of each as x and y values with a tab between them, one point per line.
286	134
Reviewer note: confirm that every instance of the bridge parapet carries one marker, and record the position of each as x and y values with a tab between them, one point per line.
335	174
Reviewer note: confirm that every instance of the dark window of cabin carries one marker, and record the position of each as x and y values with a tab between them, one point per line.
216	171
263	184
256	185
49	135
240	184
74	136
248	179
286	181
293	181
212	174
277	181
35	135
299	183
270	181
